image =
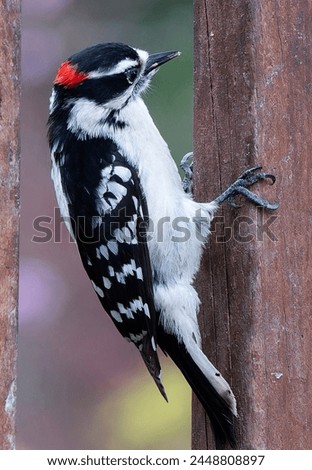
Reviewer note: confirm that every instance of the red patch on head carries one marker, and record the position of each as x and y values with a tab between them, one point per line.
68	76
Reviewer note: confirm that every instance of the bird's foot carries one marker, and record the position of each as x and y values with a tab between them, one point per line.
247	179
187	166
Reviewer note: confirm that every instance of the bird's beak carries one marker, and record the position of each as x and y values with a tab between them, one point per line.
155	60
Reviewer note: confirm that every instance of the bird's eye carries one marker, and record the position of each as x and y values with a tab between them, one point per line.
132	75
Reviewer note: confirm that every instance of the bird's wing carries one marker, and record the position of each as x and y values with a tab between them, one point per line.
109	219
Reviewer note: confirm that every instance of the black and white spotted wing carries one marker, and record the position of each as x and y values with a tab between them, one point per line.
108	218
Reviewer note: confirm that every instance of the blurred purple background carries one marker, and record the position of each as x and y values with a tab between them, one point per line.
80	384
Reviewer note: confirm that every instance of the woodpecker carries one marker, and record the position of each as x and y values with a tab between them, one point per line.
123	201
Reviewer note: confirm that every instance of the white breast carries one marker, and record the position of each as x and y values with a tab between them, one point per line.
174	254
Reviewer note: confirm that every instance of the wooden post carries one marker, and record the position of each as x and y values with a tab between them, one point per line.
9	210
253	101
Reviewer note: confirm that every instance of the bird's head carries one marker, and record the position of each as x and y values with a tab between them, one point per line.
108	74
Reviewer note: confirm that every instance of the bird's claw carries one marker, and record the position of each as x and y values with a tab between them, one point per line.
250	176
246	179
187	166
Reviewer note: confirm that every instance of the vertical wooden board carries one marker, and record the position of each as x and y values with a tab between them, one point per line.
222	140
283	115
9	209
252	106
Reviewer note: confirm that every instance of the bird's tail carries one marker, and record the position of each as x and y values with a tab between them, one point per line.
207	383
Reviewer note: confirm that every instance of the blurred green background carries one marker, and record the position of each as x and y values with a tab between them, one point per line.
81	386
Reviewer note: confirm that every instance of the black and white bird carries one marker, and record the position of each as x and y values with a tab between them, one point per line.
122	199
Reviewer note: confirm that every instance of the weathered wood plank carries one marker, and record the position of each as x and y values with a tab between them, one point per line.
9	210
253	102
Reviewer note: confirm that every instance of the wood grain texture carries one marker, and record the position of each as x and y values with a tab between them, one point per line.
9	210
253	101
